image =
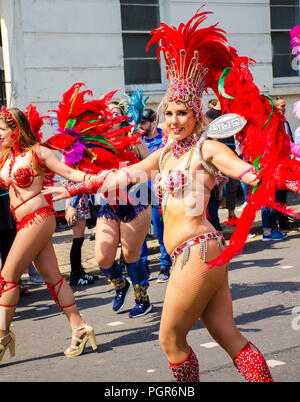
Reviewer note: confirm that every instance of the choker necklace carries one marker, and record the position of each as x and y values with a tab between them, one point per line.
182	146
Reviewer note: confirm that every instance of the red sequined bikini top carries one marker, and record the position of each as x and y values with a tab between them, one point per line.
17	171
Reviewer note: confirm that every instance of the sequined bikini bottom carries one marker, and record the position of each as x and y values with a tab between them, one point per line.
184	248
33	216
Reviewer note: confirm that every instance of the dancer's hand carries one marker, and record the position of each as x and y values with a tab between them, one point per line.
62	191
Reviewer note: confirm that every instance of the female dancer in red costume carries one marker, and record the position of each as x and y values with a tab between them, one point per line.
187	169
24	164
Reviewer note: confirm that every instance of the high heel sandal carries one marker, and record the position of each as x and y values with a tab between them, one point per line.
77	350
10	345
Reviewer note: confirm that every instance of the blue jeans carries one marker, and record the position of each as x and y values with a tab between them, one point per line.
158	226
213	210
245	189
269	218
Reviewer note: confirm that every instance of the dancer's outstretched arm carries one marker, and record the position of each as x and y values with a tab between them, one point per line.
111	180
49	159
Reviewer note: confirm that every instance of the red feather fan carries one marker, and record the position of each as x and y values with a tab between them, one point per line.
86	135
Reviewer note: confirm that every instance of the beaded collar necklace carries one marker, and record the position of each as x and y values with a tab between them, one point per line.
182	146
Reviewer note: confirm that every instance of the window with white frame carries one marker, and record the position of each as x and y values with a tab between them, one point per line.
285	15
139	18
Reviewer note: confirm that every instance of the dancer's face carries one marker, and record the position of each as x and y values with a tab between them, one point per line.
180	121
5	135
116	111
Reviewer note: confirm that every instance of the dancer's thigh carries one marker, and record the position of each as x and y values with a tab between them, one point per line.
218	319
28	243
133	235
106	241
47	265
189	291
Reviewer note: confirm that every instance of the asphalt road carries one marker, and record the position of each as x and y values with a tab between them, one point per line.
265	285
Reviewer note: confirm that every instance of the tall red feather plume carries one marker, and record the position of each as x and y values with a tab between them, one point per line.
193	55
35	120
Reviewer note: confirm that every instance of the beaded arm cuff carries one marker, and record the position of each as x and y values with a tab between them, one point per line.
88	187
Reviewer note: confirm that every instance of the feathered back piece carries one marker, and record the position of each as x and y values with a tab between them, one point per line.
86	136
193	57
134	107
35	120
295	40
264	143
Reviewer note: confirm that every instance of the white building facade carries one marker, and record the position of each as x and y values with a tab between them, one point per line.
47	45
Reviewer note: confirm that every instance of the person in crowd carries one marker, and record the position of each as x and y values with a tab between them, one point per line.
77	212
126	225
153	137
281	195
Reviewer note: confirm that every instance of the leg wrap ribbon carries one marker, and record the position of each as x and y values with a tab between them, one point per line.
3	307
252	365
186	371
55	294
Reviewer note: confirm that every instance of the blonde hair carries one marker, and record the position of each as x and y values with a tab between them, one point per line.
202	121
26	136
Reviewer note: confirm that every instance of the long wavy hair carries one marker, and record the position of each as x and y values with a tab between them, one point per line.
26	138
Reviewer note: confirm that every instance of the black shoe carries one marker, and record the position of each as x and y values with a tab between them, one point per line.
76	280
91	277
285	226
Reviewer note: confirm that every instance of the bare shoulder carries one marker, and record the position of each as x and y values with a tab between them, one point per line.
210	148
43	152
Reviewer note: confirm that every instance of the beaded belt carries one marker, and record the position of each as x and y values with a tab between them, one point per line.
184	248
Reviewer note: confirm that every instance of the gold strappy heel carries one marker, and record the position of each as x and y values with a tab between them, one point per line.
77	350
10	345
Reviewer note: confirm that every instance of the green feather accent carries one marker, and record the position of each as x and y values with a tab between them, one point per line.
272	112
71	123
257	167
222	82
99	138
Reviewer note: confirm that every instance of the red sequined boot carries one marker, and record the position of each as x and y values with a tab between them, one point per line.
186	371
252	365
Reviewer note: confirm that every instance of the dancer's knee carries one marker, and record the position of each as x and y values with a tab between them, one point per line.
104	261
170	341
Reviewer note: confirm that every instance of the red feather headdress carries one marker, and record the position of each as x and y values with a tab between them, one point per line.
86	136
193	57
